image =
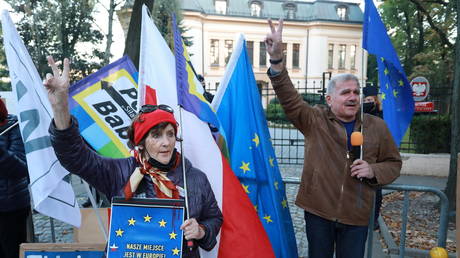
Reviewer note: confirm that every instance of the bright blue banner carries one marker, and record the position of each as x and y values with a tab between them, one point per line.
140	228
397	100
253	159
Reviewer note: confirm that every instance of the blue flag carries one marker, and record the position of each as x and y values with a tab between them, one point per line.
146	228
398	104
253	160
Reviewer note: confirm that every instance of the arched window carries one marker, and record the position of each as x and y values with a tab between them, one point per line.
256	8
342	12
289	10
221	6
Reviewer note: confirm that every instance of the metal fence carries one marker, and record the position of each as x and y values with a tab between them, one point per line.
401	250
289	142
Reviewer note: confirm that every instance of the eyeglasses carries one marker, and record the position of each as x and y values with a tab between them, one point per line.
150	108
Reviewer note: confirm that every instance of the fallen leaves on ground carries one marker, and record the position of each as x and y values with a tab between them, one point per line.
423	220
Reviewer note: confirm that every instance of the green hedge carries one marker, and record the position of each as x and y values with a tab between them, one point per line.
275	112
431	133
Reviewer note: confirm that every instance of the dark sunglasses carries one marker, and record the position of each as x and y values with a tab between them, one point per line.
150	108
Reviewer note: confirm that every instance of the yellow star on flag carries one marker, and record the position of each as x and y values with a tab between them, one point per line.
276	185
386	72
147	218
172	235
256	139
119	232
284	203
268	218
401	83
245	167
175	251
395	93
131	222
255	207
383	96
387	86
162	223
246	188
271	161
383	59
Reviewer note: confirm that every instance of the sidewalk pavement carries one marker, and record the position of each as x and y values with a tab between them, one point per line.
64	232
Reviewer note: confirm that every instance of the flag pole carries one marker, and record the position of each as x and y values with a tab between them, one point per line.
9	128
181	140
361	99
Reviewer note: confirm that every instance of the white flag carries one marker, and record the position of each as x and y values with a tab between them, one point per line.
157	85
51	194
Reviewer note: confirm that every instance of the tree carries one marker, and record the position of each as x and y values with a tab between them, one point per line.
451	187
411	24
162	10
61	29
109	37
133	37
5	85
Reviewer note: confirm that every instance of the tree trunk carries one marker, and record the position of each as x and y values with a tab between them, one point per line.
455	131
107	54
133	39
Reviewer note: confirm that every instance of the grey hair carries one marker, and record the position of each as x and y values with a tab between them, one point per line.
343	77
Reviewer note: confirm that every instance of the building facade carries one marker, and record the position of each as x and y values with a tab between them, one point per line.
322	38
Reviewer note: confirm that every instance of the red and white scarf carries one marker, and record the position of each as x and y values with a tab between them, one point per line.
163	186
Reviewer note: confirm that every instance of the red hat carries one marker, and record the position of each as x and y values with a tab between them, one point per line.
147	121
3	112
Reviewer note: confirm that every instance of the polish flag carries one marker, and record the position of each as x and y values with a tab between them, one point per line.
242	233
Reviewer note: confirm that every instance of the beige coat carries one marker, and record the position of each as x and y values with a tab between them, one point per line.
327	188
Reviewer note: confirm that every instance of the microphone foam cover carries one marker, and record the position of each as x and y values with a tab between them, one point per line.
357	139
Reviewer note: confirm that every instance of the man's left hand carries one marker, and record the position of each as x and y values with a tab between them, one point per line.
361	169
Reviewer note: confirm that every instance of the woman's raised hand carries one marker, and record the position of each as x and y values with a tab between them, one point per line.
57	85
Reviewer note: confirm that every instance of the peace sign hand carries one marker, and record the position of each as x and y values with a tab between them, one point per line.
57	85
274	41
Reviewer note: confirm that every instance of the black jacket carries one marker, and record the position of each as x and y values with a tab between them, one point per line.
14	179
111	175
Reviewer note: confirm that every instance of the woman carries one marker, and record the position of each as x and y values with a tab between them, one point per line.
14	182
155	169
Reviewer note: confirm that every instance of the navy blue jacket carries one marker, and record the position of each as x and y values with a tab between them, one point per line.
14	178
110	175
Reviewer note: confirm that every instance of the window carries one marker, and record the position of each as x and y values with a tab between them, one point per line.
342	53
228	47
214	52
330	56
221	6
295	55
262	55
256	7
342	12
289	10
250	48
353	57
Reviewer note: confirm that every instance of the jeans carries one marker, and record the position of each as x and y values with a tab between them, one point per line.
323	235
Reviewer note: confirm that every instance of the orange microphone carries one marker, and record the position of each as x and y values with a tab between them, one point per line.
356	139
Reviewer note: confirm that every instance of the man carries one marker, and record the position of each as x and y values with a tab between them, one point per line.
208	96
14	181
337	189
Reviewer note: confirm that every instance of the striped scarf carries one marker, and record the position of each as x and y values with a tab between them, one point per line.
163	186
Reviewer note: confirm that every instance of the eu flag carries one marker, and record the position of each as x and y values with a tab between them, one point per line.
146	228
253	160
398	104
